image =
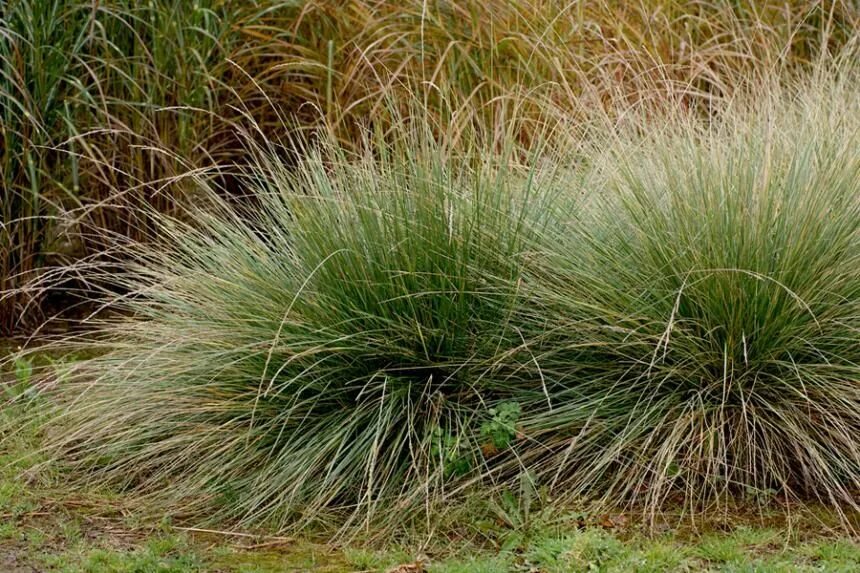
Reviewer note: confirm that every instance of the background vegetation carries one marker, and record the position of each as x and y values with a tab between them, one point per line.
105	105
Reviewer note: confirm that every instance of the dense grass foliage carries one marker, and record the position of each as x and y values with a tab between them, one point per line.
85	138
339	348
668	315
704	312
36	50
105	106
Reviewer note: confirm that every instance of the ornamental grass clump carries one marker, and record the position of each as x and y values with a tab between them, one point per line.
663	314
336	347
703	311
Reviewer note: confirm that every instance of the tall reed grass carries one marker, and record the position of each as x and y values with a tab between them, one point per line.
85	137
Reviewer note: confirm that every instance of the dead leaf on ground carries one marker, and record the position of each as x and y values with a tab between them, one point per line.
417	566
610	521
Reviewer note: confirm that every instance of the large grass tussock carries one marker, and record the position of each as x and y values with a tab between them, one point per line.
704	312
337	348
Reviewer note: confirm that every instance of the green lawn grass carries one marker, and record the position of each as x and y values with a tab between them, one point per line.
44	530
